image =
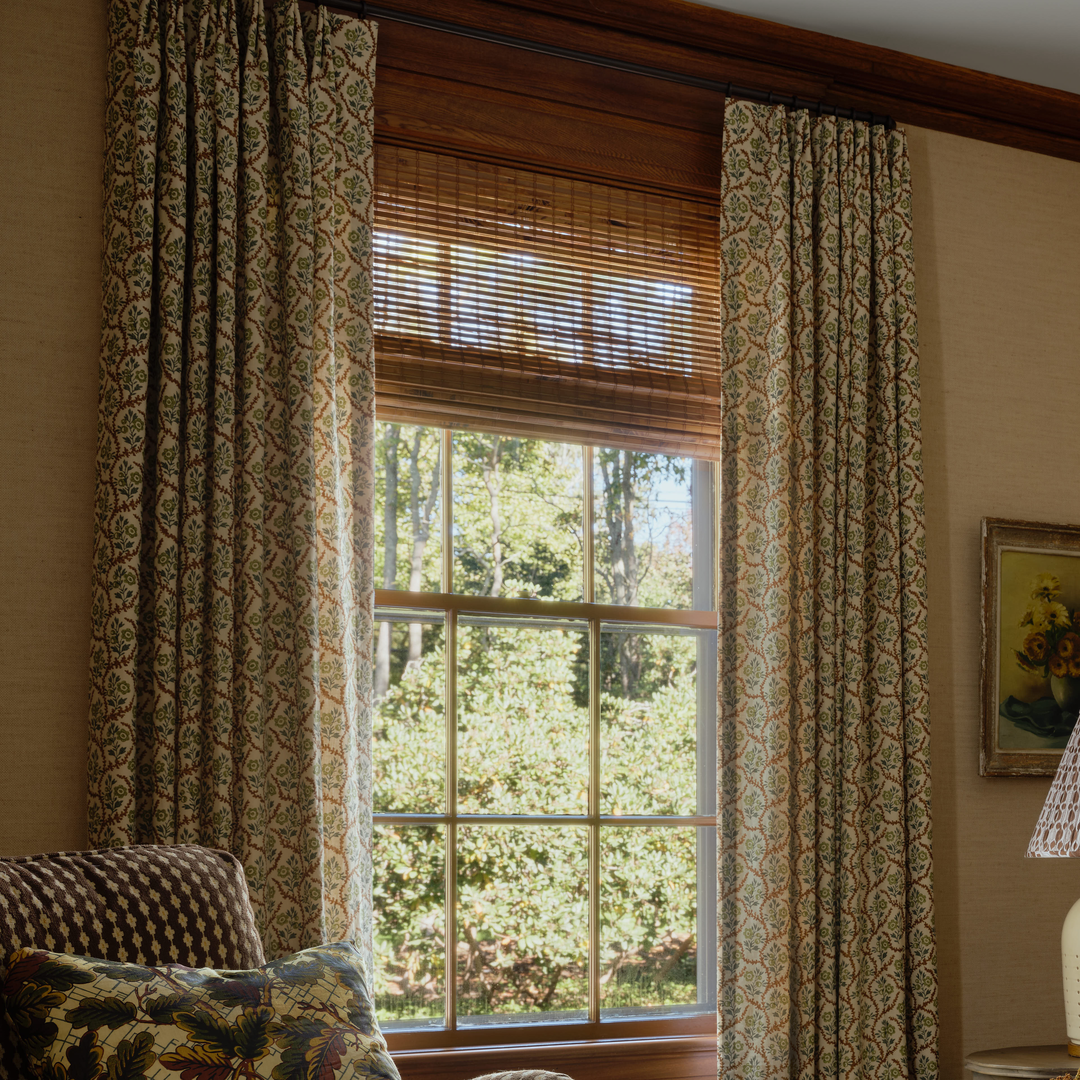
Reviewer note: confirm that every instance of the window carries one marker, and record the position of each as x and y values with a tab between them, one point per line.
545	732
546	649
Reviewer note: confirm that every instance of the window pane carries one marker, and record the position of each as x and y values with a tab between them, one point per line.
502	301
408	508
648	719
407	295
648	920
523	923
643	529
408	734
410	925
523	716
640	319
517	517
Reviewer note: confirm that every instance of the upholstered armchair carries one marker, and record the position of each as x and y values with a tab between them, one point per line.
144	905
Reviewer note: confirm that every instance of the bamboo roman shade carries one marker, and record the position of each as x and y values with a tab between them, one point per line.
509	300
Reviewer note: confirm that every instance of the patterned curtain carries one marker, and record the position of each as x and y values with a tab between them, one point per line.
232	608
827	965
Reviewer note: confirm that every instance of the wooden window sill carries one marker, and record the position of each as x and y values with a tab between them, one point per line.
680	1057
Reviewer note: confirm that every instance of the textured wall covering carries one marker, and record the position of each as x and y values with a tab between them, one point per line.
52	109
997	236
997	253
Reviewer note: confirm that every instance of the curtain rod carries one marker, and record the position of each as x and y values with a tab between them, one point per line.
364	10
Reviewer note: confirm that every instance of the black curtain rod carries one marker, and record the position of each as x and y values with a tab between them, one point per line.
364	10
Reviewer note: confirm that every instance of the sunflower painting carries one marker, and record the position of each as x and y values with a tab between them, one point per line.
1031	645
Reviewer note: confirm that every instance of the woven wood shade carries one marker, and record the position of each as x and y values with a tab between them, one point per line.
511	300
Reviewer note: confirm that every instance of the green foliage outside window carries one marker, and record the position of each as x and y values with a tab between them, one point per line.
522	733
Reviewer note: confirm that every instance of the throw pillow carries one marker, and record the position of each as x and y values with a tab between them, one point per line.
304	1017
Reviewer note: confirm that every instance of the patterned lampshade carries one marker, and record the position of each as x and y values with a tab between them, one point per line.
1057	834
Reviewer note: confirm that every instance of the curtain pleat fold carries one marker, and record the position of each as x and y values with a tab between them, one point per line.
232	613
827	960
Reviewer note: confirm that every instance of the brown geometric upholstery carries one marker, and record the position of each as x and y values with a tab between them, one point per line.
142	905
180	904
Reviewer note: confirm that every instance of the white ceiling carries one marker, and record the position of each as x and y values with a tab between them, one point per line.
1037	41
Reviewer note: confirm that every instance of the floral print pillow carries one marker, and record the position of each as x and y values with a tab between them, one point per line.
304	1017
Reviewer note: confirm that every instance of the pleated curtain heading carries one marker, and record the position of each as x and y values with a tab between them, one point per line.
232	605
827	959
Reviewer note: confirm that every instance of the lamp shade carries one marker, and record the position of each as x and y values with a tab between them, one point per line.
1057	833
1057	836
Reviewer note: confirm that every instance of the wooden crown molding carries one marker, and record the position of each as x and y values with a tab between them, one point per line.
725	47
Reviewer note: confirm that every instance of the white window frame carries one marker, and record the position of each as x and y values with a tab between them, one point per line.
396	605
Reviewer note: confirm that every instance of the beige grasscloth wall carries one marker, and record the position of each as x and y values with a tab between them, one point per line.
997	243
997	257
52	101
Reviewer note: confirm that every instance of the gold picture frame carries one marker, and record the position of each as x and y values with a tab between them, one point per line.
1030	645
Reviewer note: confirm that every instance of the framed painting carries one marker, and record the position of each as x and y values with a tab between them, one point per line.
1030	645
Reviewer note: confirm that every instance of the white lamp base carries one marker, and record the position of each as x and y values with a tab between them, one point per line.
1070	972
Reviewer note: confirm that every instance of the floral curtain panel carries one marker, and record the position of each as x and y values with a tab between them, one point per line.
827	965
232	609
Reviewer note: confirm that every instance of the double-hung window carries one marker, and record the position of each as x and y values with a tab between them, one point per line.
545	670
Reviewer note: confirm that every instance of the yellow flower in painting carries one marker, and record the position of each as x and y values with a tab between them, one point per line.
1036	647
1045	587
1037	614
1043	614
1069	646
1059	615
1025	663
1059	666
1074	668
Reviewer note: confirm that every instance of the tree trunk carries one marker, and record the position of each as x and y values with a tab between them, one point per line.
421	514
390	510
620	497
491	482
629	551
